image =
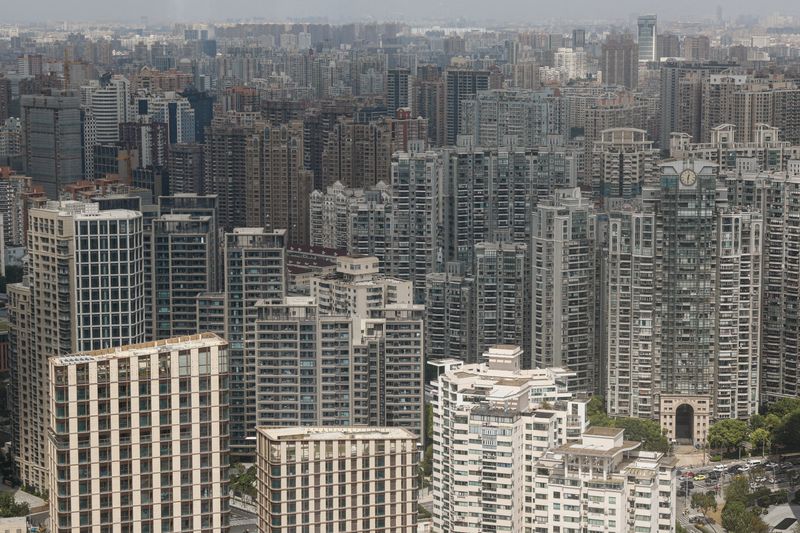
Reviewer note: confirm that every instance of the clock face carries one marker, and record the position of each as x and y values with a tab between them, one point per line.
688	177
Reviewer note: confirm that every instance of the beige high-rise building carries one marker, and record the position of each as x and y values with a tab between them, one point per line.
84	291
277	185
358	154
138	437
604	483
339	480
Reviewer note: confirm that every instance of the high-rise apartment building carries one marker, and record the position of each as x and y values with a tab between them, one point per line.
277	185
430	102
361	479
255	271
358	154
109	104
398	85
647	38
619	61
84	291
138	437
775	195
671	300
182	259
491	421
450	315
564	284
171	109
226	167
513	117
14	192
681	97
624	489
415	191
623	160
764	153
696	47
461	84
51	140
349	370
502	296
186	168
488	195
5	98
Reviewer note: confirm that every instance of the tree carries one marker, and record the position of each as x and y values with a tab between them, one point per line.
761	437
596	406
737	491
784	406
243	481
428	422
727	434
704	501
788	431
736	518
9	507
646	431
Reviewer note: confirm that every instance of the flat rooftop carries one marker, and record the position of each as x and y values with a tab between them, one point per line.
332	433
187	342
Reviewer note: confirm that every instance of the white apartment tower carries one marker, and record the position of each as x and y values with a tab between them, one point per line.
138	437
84	291
340	480
491	422
604	483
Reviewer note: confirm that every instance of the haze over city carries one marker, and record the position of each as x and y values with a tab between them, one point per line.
421	267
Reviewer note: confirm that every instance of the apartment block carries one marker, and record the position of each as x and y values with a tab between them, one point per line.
138	437
492	421
564	285
84	290
603	483
344	480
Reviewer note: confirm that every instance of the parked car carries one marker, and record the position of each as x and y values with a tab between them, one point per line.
744	468
720	468
754	462
770	465
700	477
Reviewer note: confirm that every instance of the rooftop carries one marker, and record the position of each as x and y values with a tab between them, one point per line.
330	433
188	342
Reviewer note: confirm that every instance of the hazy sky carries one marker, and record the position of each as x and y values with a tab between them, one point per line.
502	10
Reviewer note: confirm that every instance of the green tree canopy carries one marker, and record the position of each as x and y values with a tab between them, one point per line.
727	433
761	438
788	431
783	406
705	501
9	507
